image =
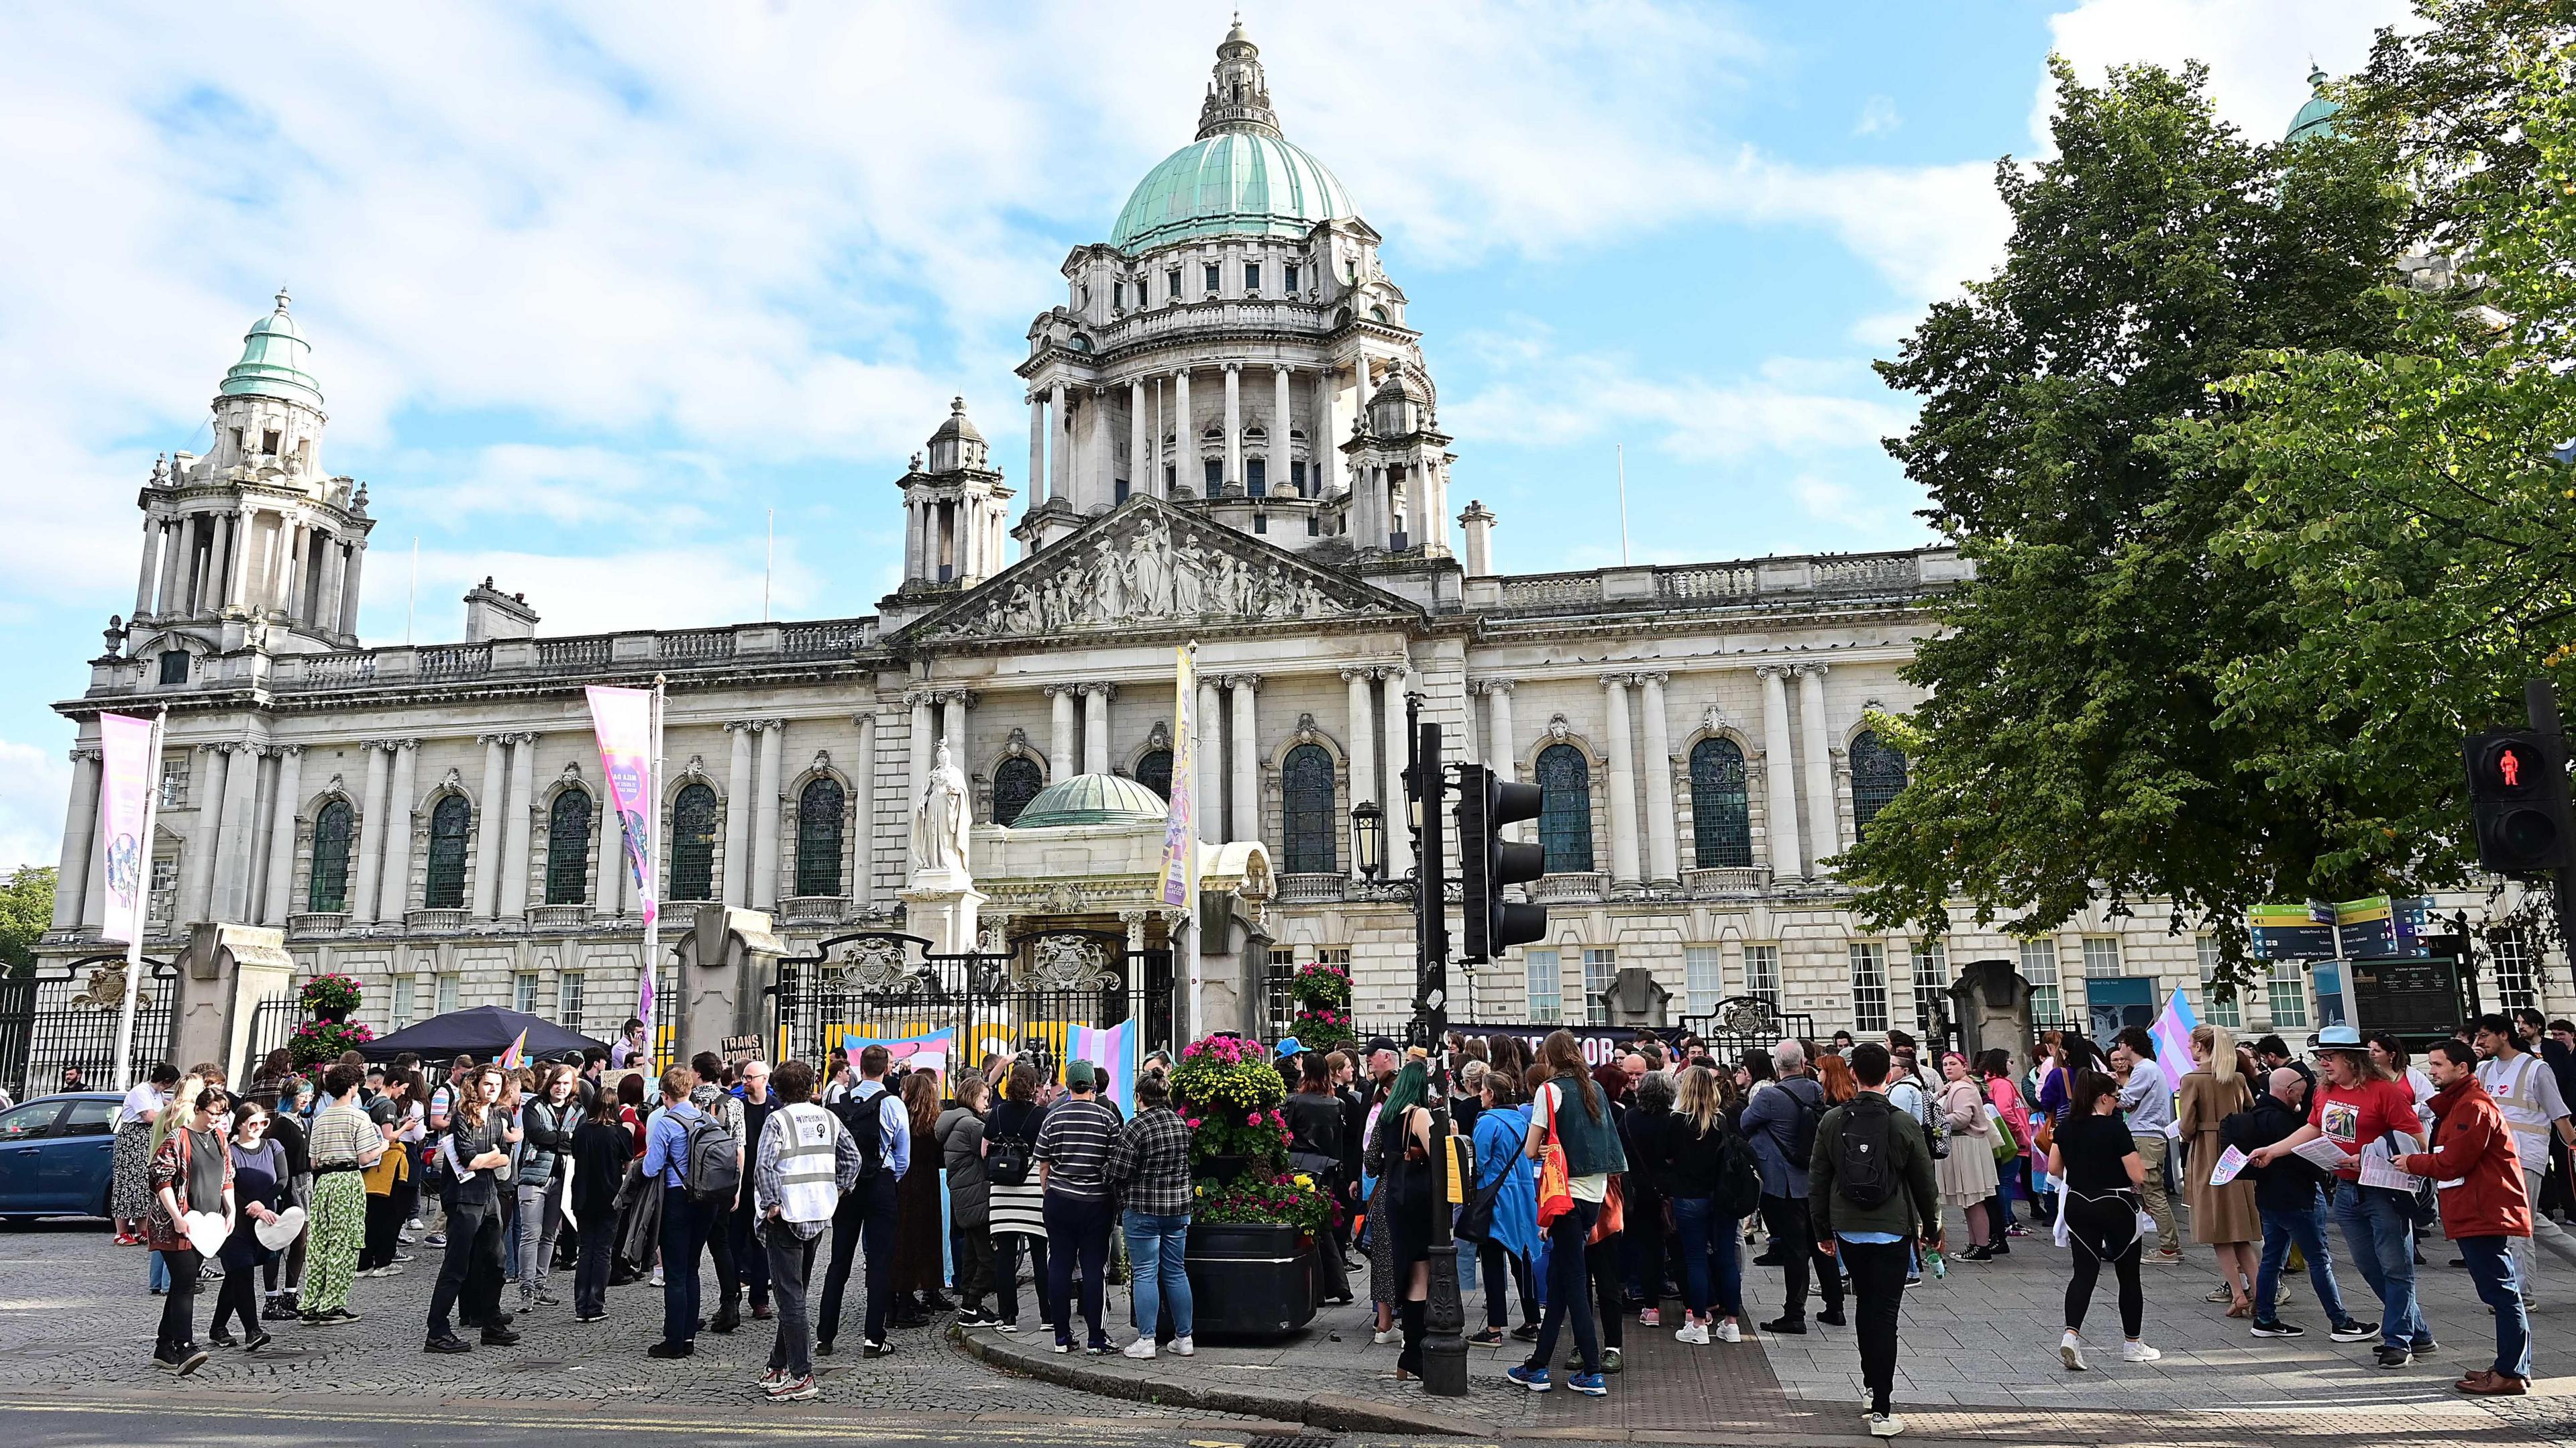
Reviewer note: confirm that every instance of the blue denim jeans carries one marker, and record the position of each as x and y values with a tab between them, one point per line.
2379	1226
2307	1231
2492	1267
1155	1246
1712	1258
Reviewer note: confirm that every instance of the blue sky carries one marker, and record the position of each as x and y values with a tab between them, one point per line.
593	288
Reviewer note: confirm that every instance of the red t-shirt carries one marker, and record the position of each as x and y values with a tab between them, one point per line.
2352	1117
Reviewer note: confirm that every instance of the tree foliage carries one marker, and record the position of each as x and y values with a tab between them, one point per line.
26	911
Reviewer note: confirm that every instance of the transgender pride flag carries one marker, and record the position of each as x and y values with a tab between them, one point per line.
1111	1048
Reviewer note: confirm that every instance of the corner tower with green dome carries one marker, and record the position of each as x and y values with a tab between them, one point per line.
1221	349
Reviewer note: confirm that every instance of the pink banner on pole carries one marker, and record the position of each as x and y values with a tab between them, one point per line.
623	719
124	819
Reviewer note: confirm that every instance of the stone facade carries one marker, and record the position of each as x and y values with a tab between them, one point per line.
1234	443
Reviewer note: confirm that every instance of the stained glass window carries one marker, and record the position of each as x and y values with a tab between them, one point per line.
1878	772
819	816
693	843
1306	793
1565	810
449	823
1154	771
330	888
568	849
1017	781
1721	811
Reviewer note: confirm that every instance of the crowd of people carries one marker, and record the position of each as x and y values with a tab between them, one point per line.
1593	1191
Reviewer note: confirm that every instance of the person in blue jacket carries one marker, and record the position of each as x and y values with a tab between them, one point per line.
1504	1259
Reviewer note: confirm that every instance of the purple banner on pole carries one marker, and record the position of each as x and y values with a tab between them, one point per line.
124	815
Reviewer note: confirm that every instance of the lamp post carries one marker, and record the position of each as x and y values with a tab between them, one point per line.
1368	838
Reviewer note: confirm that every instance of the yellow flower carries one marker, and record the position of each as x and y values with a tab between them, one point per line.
1304	1180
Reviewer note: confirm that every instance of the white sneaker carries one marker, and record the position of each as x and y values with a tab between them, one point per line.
2138	1352
1182	1346
1141	1349
1885	1425
1692	1332
1727	1331
774	1379
1383	1338
657	1278
2070	1350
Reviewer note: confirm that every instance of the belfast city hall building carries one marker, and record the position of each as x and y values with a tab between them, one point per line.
1234	440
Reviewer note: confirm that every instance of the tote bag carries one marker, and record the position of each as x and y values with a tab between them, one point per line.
1555	1187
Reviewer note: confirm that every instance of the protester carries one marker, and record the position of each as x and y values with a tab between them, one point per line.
130	1182
472	1155
959	1136
1504	1258
1780	1125
1872	1199
1315	1147
804	1166
344	1144
2357	1107
547	1122
1967	1175
1150	1167
1570	1113
259	1192
384	1214
2289	1196
1713	1183
712	1096
192	1172
2526	1092
602	1153
1834	1074
2147	1103
286	1126
1072	1157
1015	1198
2013	1178
875	1119
747	1115
2095	1157
668	1163
630	1050
918	1233
1399	1152
2222	1217
2484	1205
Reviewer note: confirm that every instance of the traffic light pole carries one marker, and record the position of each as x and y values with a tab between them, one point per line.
2540	702
1444	1347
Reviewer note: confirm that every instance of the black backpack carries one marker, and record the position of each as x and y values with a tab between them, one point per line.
715	1162
1739	1181
1865	1166
861	1116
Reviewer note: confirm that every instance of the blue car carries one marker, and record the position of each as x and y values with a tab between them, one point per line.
57	1156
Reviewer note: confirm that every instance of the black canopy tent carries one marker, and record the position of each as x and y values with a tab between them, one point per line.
482	1032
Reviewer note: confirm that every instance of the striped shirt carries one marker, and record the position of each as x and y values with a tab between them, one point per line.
1075	1143
342	1135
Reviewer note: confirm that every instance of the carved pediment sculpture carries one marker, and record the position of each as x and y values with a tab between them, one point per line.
1068	962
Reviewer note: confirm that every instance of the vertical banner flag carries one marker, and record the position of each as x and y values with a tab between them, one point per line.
2172	1031
628	724
124	809
1113	1050
1181	826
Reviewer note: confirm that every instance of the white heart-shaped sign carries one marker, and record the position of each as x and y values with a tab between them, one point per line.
275	1235
206	1233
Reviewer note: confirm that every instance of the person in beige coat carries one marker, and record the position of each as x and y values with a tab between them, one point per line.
2225	1217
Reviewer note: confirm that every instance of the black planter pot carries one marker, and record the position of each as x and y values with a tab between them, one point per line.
1250	1279
336	1015
1220	1169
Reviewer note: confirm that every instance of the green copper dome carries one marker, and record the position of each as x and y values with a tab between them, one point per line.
2316	118
1093	799
273	359
1233	183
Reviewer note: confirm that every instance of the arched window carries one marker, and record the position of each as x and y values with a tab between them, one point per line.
819	814
1878	772
1721	812
449	823
1565	809
1154	771
1306	797
693	843
329	893
1016	781
568	849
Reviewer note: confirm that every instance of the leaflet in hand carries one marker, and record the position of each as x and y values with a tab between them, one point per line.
2323	1153
2379	1162
2230	1162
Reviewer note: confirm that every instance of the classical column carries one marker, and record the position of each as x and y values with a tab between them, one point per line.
1503	746
1037	473
1663	848
371	836
235	847
223	566
1280	452
1399	817
335	572
1780	799
1095	727
1417	506
1824	821
608	900
917	775
1063	762
863	865
1362	738
281	834
1059	456
766	791
143	575
1245	817
395	897
197	869
1234	424
912	534
350	572
737	831
1104	462
168	598
1140	456
80	834
1185	437
487	832
1623	782
1211	763
518	819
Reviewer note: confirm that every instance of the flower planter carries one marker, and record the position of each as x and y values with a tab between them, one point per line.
336	1015
1220	1169
1250	1279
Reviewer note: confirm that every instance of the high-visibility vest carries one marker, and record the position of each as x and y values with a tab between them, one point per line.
808	1165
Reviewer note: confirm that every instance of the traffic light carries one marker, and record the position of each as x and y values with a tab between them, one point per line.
1487	862
2518	801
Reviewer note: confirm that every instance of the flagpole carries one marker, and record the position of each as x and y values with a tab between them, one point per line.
123	1074
1198	953
652	870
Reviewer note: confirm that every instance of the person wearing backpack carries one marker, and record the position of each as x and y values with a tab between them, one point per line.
1780	1125
1015	1202
675	1160
1709	1173
1872	1198
875	1118
1570	1114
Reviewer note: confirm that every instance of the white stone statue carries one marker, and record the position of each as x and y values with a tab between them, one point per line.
939	819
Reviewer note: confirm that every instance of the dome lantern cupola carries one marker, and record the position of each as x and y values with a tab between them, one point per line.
2316	118
273	362
1238	97
1240	177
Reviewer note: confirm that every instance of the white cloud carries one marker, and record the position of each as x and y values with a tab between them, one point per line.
2258	55
33	785
1877	117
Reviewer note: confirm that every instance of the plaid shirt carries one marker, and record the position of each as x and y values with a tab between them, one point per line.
1151	1164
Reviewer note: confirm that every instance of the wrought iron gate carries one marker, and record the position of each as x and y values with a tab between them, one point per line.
1748	1023
887	984
58	1018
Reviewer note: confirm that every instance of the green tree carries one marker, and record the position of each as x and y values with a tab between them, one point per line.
26	911
2075	740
